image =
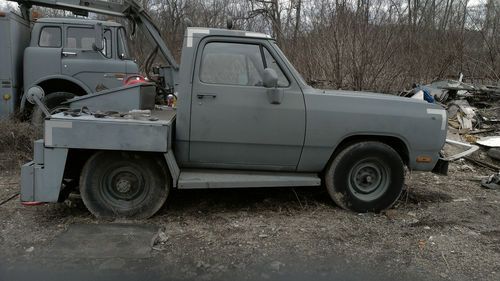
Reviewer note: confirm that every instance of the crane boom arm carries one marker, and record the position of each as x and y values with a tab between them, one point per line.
130	9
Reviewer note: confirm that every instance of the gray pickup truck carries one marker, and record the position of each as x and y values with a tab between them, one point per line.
244	118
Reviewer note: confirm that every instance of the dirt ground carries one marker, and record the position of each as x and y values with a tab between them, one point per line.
443	228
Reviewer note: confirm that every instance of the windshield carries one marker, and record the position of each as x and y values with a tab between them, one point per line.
290	65
122	44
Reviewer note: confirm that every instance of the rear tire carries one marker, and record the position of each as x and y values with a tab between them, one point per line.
365	177
124	185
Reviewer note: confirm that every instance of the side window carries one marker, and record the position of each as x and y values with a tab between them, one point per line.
231	64
271	62
123	52
106	51
50	36
83	38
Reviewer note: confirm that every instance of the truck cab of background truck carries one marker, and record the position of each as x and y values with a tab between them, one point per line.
59	57
244	118
64	46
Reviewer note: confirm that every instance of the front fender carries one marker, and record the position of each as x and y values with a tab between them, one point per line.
52	77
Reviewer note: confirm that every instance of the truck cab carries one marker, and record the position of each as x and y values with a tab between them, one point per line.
62	59
262	128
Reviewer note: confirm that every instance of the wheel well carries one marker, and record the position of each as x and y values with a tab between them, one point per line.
78	157
61	85
397	144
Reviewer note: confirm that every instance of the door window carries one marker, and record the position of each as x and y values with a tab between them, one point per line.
50	36
231	64
271	63
123	52
84	37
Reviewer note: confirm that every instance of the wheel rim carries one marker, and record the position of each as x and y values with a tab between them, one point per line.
123	187
369	179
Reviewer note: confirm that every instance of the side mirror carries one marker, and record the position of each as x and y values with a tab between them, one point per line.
270	78
98	44
274	94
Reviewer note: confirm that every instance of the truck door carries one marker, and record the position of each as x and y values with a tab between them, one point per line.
233	122
99	70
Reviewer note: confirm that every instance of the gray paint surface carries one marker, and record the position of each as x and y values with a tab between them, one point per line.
240	125
192	178
43	182
90	70
336	115
27	182
14	37
88	132
232	131
121	99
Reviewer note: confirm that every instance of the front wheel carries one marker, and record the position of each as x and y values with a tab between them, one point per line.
53	102
365	177
124	185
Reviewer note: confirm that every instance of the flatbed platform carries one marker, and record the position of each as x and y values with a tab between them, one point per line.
133	132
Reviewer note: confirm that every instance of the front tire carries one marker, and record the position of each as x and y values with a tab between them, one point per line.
365	177
53	102
124	185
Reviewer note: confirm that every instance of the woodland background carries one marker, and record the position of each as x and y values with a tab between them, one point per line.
377	45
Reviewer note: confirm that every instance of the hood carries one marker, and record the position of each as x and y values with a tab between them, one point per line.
370	96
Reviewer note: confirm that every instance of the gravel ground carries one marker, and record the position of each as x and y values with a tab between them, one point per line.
443	228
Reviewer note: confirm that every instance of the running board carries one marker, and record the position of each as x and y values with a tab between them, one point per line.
192	179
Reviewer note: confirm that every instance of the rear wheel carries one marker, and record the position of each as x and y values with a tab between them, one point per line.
365	177
124	185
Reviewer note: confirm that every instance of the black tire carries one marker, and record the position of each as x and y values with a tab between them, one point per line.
124	185
365	177
53	101
494	153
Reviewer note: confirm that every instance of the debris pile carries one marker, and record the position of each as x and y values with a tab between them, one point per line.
473	117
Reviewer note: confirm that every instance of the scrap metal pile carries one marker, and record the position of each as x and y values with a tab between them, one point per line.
473	117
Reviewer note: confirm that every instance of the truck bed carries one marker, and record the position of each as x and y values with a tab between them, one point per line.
110	133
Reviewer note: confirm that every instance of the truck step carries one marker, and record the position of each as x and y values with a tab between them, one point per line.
192	179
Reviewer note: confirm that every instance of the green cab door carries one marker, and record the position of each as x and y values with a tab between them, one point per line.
234	123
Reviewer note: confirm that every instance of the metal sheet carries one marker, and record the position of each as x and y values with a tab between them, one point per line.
14	34
48	178
492	141
123	99
107	134
172	166
27	186
38	152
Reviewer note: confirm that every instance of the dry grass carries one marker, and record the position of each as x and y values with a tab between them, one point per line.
16	143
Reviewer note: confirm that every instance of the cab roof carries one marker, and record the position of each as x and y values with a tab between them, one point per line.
197	33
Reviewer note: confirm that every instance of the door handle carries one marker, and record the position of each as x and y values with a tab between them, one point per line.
67	54
200	96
